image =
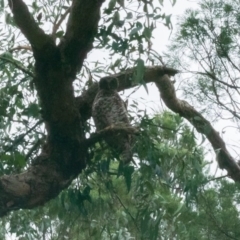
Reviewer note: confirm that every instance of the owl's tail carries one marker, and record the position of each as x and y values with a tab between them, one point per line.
126	155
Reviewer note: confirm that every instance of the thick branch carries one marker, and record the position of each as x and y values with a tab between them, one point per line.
81	29
31	188
168	94
27	24
47	177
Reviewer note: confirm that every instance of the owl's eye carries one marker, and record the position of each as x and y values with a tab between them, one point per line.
113	84
103	84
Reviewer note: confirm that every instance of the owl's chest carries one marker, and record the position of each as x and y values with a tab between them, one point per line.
108	110
107	104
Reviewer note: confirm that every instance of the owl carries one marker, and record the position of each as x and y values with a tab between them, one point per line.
109	109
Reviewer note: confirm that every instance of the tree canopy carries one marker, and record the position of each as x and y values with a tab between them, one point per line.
50	150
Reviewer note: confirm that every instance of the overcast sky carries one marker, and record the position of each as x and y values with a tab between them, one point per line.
162	37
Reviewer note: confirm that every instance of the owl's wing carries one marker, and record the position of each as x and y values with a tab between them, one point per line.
101	112
119	110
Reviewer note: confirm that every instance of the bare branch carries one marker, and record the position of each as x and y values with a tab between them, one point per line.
214	78
22	136
23	47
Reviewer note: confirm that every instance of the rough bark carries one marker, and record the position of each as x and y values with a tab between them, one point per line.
32	188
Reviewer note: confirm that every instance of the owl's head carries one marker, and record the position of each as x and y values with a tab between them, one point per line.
108	83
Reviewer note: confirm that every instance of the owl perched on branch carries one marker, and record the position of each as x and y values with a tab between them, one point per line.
110	110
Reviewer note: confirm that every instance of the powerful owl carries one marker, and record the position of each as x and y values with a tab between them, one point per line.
109	109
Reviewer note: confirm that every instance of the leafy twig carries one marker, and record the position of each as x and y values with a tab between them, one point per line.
57	24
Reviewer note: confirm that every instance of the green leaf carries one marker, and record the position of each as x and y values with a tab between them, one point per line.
111	5
147	32
139	73
19	160
121	2
127	173
140	69
129	15
168	22
59	34
149	186
32	110
133	31
174	2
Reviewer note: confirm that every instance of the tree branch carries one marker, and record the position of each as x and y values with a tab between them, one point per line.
31	188
56	167
23	47
17	65
225	160
21	137
27	24
81	29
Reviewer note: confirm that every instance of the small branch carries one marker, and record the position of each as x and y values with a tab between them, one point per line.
214	78
214	179
33	149
15	64
58	24
23	47
22	136
126	210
